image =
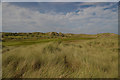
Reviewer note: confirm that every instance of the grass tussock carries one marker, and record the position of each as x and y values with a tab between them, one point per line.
89	59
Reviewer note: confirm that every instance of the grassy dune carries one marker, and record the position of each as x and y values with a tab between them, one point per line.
92	58
29	42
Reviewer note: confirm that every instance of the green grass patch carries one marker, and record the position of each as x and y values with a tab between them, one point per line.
30	42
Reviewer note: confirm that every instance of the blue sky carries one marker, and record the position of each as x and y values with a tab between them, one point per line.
57	7
67	17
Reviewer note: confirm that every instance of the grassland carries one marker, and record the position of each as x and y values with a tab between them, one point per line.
66	56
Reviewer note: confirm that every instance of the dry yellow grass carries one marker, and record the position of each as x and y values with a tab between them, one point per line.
96	58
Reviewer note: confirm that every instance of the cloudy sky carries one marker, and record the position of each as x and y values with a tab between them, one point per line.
60	0
67	17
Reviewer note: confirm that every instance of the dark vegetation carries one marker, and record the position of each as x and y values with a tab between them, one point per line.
37	35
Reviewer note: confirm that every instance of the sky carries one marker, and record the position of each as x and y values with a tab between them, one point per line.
66	17
60	0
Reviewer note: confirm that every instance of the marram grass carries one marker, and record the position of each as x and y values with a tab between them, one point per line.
97	58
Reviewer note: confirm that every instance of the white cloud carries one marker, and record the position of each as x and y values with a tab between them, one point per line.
87	20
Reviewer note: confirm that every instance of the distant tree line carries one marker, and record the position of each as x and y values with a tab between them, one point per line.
33	35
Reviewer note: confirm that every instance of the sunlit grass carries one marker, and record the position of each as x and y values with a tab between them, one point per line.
29	42
94	58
